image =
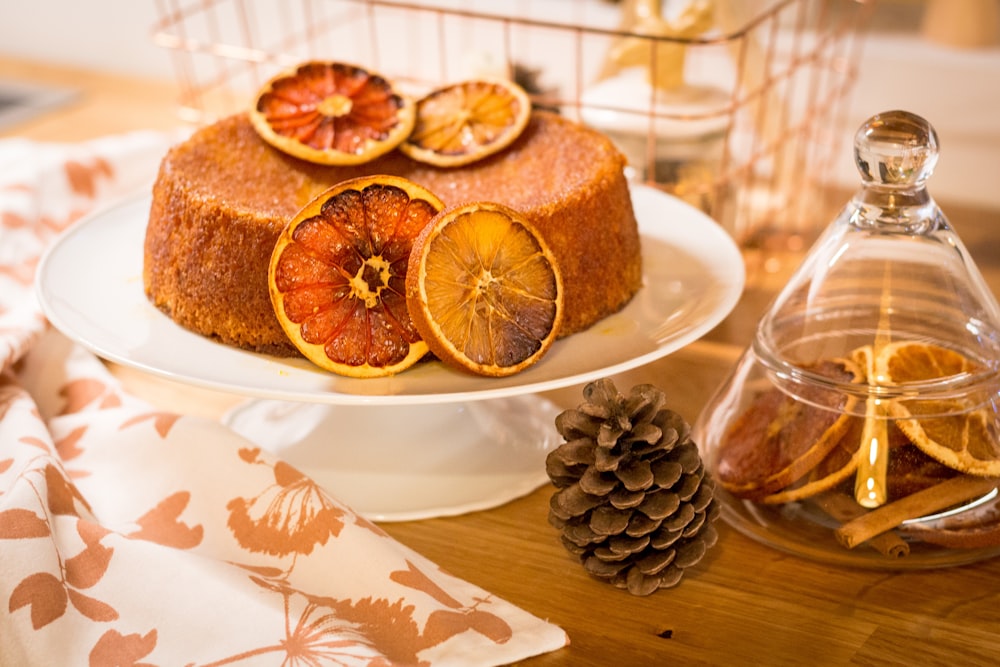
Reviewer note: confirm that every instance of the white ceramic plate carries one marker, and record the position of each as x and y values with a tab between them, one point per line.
90	287
426	442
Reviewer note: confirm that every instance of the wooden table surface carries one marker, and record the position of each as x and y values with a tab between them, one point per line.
745	603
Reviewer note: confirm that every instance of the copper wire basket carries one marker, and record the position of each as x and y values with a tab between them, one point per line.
785	71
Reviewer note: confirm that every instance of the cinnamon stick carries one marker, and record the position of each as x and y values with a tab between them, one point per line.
845	509
927	501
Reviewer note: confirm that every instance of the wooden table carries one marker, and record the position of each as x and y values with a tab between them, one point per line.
744	603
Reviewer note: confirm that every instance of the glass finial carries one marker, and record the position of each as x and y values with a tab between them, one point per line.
896	149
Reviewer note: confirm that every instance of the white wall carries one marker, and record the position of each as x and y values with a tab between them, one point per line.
110	35
958	91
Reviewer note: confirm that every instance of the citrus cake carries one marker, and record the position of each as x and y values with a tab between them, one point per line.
223	196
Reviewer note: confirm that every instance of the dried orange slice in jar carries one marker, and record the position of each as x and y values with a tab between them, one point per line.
467	121
952	430
484	290
778	438
337	275
332	113
837	466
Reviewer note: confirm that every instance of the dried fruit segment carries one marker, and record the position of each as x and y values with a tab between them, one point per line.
952	430
837	466
338	271
484	290
467	121
332	113
778	438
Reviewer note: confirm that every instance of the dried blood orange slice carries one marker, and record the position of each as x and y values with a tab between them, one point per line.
467	121
337	275
952	430
484	290
837	466
777	439
332	113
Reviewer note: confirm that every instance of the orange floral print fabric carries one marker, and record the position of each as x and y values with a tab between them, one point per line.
132	536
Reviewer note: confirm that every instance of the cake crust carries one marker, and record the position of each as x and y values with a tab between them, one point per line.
222	197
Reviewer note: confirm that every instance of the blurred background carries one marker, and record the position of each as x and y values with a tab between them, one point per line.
940	59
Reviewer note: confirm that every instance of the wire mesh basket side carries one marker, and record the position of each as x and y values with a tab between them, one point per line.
755	153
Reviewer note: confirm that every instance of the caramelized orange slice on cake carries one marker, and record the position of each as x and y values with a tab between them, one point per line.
467	121
484	290
337	276
332	113
954	430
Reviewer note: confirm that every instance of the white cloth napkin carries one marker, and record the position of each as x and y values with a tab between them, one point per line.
131	536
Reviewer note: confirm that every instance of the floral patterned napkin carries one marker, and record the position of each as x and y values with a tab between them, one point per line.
130	536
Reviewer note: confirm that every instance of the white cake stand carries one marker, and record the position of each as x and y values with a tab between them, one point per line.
427	442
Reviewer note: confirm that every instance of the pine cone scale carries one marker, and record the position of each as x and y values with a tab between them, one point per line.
694	525
680	519
689	485
597	483
573	501
654	561
666	473
639	524
605	521
660	505
664	538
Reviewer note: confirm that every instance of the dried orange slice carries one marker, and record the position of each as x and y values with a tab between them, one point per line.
837	466
467	121
484	290
952	430
909	469
332	113
337	275
777	439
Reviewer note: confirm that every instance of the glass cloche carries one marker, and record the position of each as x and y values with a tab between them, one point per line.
861	425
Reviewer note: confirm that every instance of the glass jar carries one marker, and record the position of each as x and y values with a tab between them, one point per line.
861	425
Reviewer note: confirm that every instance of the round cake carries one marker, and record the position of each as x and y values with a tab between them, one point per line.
222	197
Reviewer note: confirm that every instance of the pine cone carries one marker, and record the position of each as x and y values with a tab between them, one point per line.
634	502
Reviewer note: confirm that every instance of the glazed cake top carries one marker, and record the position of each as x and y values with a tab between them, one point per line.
551	161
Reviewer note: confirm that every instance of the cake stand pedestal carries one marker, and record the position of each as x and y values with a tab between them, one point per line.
408	462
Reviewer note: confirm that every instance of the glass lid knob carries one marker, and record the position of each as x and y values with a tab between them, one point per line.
897	149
